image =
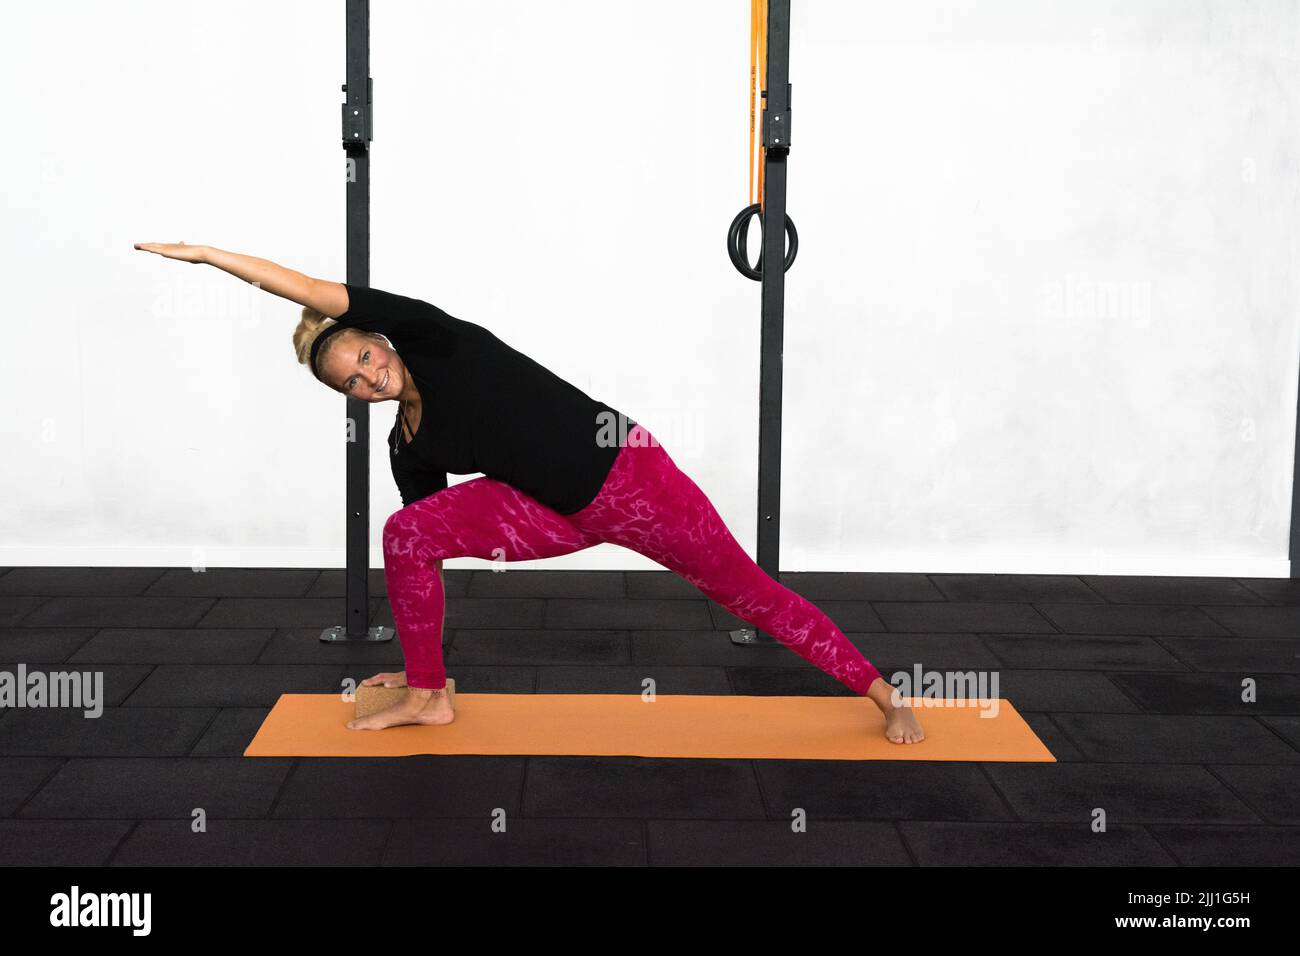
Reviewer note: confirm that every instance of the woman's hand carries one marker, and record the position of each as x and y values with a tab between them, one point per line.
175	250
388	680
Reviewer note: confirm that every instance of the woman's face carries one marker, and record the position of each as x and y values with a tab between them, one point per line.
363	367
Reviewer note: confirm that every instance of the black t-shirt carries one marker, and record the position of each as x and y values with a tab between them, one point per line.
487	408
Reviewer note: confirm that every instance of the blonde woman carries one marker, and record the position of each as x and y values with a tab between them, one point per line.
560	472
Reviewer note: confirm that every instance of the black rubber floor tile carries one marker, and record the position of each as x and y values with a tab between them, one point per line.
1022	588
382	615
55	581
1283	622
631	680
60	842
1164	739
968	617
1031	844
859	586
161	645
138	611
1053	738
804	677
1210	693
277	612
546	584
1148	620
456	581
44	644
1126	793
20	777
232	685
524	842
1274	590
124	787
492	680
774	843
663	585
1139	736
16	609
481	612
528	646
800	679
293	645
706	648
1144	589
1232	846
1251	654
1288	728
1045	690
641	787
1273	792
878	790
846	615
338	843
960	652
117	683
118	732
650	614
332	582
235	582
1083	651
231	732
393	787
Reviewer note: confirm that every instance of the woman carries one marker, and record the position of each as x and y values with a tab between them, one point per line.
561	472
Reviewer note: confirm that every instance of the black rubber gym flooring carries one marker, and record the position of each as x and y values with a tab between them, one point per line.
1135	684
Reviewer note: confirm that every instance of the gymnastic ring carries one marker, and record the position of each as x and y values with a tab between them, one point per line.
738	238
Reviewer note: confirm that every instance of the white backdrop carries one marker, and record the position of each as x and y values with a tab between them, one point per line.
1043	319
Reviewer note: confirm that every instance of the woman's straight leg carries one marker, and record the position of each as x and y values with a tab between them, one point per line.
480	518
652	507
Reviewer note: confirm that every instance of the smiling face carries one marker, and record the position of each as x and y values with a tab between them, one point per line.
363	367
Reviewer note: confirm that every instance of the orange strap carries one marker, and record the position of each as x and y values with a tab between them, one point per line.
757	68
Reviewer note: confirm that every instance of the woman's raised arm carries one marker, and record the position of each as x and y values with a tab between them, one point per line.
326	297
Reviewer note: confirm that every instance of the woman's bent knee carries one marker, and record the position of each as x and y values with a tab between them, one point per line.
400	533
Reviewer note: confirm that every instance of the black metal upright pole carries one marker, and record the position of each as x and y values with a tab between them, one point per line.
776	140
1293	550
774	262
357	134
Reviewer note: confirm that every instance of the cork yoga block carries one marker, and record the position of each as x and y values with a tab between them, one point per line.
374	697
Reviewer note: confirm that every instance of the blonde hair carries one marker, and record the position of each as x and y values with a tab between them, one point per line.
311	325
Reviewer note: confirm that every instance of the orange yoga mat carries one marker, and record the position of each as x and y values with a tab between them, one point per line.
777	728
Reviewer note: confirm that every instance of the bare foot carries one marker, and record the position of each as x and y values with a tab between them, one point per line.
902	727
901	724
421	706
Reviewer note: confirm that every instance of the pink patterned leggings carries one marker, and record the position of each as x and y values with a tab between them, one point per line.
646	504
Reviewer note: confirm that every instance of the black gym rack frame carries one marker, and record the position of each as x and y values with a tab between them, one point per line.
357	134
1293	552
358	130
775	261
